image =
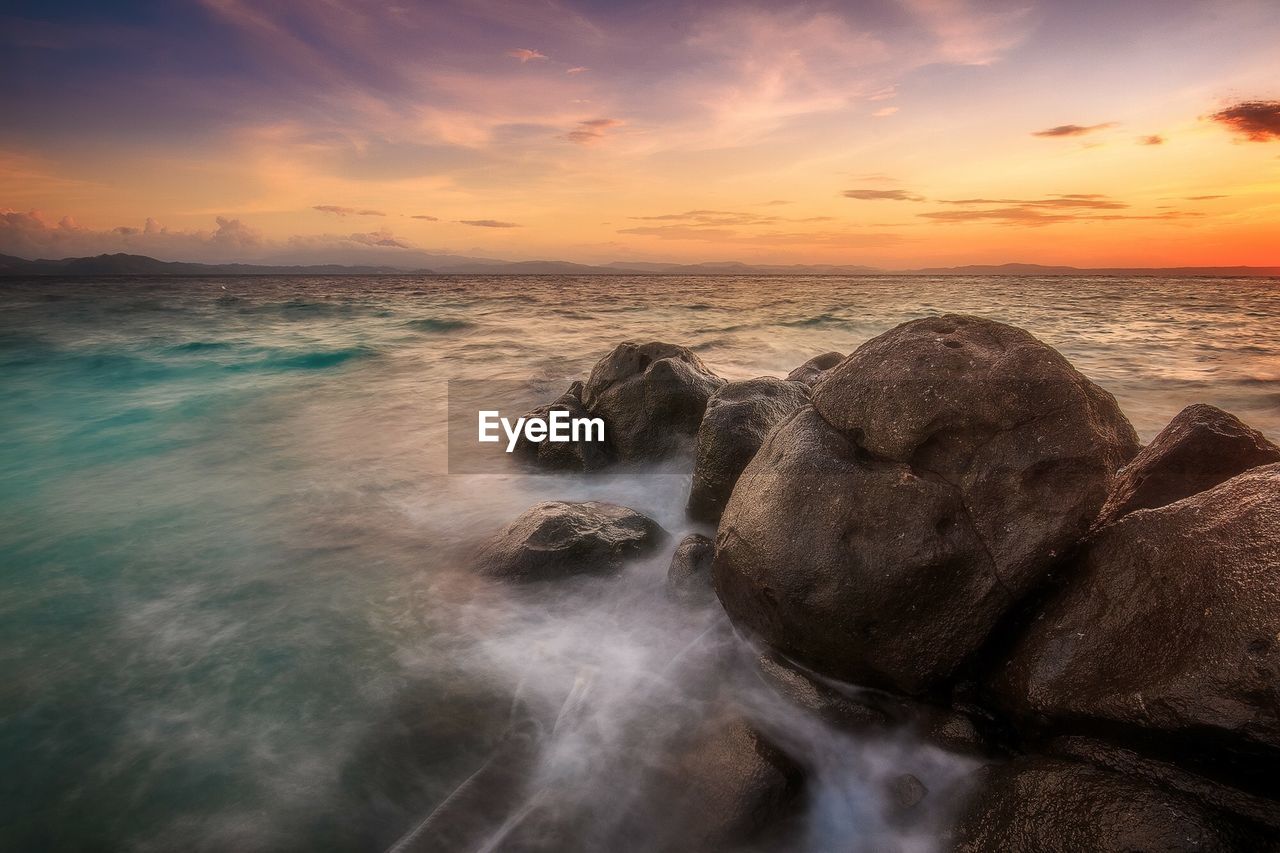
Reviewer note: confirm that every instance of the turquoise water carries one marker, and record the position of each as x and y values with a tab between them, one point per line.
234	609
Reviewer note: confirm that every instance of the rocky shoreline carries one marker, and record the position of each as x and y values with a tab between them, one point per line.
952	530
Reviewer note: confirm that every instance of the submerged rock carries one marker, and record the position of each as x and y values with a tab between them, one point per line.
815	368
1200	448
738	417
558	538
1048	805
563	456
689	577
652	397
1169	628
879	535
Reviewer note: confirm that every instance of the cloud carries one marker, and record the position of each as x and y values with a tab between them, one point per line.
721	218
882	195
832	239
1202	197
346	211
577	69
487	223
1154	139
592	130
427	218
31	235
776	202
1034	213
884	111
524	54
1257	121
1073	129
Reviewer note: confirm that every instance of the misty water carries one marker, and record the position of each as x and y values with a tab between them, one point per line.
235	605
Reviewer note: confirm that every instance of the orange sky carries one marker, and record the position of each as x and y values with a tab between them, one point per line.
894	134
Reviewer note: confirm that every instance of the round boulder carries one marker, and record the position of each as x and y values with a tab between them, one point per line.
1200	448
879	535
738	417
558	538
563	456
652	397
689	577
1169	629
815	368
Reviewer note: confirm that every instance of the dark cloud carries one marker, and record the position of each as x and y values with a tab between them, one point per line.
427	218
487	223
592	130
346	211
1258	121
1073	129
882	195
1033	213
1153	139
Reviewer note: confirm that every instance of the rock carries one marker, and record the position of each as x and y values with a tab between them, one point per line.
906	792
815	368
861	710
1169	629
1200	448
651	396
557	538
738	417
879	535
563	456
689	577
1047	805
726	786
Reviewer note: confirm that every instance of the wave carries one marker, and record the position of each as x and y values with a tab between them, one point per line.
434	325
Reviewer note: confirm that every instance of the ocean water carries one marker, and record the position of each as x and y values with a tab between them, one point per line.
235	612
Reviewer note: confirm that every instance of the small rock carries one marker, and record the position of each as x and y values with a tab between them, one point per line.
812	371
689	577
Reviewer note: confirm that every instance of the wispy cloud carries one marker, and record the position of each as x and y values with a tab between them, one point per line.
1072	130
1202	197
577	69
1257	121
339	210
487	223
1153	139
1038	212
592	130
884	112
525	54
881	195
425	217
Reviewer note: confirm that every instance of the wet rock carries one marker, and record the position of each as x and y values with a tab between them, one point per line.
1047	805
726	786
1200	448
564	456
738	417
652	397
862	710
906	792
689	577
815	368
558	538
1169	629
879	535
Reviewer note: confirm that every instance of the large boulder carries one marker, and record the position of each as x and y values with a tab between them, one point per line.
652	397
1168	629
558	538
563	456
738	417
1048	805
879	535
1200	448
689	576
815	368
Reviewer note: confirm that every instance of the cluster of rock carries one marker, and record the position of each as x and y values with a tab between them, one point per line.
960	523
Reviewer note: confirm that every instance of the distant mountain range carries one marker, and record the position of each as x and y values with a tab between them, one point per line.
141	265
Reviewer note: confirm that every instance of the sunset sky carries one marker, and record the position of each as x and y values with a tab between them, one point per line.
894	134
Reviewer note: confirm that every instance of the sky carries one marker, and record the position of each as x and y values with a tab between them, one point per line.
891	134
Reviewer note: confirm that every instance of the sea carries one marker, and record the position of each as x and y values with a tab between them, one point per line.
237	611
